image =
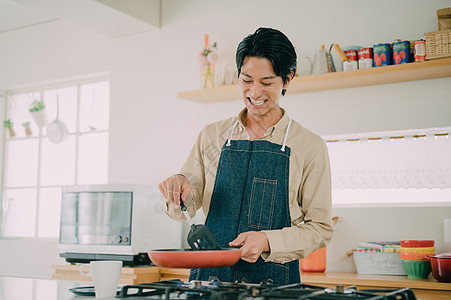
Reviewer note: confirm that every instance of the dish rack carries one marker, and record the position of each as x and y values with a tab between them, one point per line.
438	44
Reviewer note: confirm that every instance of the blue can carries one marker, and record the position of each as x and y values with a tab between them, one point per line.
401	52
381	55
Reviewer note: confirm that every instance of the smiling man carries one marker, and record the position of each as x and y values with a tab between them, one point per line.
261	178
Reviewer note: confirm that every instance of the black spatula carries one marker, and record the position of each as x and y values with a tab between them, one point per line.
199	236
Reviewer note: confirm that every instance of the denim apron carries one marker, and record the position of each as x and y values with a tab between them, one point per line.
250	194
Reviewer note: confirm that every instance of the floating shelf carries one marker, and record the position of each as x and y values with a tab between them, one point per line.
431	69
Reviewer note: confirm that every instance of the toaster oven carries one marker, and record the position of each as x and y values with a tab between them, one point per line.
114	222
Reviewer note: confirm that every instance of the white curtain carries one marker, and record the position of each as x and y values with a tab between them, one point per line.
397	159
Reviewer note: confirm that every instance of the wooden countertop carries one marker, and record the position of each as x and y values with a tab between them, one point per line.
382	281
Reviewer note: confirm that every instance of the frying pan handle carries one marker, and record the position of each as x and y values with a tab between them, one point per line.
185	211
182	205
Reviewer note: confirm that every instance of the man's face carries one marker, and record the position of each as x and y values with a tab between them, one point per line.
260	87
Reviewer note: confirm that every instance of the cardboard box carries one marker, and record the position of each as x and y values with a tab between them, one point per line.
444	18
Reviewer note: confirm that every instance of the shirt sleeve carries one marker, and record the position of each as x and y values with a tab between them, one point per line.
314	230
193	170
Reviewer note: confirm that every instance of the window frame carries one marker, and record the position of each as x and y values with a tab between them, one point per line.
400	196
78	134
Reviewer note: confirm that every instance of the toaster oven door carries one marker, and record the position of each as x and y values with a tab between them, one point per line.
96	218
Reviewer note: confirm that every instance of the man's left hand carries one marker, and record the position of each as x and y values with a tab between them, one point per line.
252	243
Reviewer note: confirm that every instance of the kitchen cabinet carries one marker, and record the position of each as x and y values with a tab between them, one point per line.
438	68
428	289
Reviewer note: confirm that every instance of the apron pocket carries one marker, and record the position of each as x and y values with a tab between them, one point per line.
261	203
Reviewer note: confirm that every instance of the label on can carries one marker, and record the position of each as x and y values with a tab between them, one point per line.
381	55
365	58
401	52
351	63
420	50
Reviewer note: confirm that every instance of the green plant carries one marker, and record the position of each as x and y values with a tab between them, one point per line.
8	124
37	105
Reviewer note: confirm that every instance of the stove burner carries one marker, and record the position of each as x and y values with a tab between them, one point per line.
217	290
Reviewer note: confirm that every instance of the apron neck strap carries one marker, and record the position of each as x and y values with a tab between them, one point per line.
284	139
231	133
286	135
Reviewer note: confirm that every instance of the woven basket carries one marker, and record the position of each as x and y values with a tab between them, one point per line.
438	44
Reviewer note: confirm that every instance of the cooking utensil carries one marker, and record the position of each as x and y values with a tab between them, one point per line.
340	52
441	266
320	62
187	258
89	291
57	131
199	236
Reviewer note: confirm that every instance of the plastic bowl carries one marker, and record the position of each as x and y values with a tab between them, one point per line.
441	267
417	243
430	250
417	268
414	256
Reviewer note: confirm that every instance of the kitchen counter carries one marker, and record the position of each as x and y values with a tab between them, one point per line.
17	288
429	289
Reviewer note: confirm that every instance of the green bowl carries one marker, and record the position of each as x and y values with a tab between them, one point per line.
417	268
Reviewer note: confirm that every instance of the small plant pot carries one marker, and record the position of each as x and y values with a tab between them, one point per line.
40	117
12	133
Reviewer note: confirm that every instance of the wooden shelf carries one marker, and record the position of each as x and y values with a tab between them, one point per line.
437	68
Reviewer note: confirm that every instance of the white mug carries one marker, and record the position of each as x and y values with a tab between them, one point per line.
105	276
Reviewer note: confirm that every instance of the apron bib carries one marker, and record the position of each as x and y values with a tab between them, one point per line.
250	194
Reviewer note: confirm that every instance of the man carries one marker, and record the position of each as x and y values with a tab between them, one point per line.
262	179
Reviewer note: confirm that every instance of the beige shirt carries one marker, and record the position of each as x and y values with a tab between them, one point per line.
309	184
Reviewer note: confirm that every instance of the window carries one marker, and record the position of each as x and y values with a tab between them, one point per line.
38	163
410	167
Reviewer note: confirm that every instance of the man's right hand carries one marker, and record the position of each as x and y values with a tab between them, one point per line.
175	188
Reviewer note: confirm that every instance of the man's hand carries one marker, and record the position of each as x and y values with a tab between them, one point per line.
175	188
252	243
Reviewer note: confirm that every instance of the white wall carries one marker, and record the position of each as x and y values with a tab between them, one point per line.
152	130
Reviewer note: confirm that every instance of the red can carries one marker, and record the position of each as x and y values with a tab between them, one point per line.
365	58
420	50
351	63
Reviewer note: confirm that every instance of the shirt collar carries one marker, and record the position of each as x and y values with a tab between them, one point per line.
279	126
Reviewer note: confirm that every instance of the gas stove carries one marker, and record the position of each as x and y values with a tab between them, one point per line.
217	290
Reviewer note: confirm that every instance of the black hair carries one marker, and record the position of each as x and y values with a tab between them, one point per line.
273	45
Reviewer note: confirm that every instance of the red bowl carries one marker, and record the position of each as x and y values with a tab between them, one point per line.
441	266
417	243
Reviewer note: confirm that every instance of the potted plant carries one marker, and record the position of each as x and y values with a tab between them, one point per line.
39	113
26	125
9	124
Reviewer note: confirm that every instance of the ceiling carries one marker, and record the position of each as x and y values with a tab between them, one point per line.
112	18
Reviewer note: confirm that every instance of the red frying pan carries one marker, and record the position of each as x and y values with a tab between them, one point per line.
187	258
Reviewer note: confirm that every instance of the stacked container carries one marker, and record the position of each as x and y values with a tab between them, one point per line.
414	257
